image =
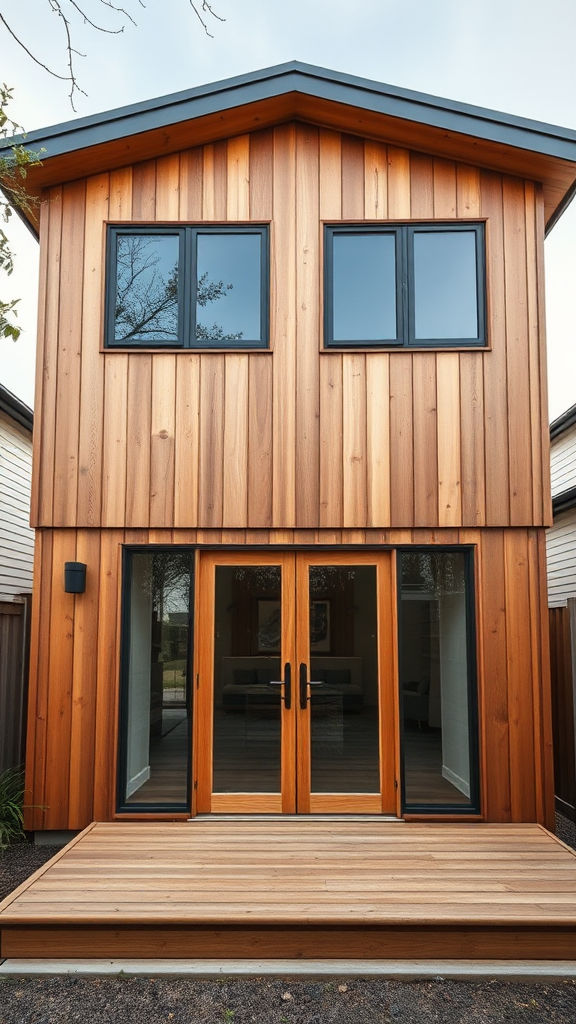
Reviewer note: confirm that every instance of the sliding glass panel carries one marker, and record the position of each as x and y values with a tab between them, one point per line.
155	733
344	679
436	695
247	703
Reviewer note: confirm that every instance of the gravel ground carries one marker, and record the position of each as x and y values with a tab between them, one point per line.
67	1000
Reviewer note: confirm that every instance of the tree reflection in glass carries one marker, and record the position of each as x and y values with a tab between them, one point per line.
147	289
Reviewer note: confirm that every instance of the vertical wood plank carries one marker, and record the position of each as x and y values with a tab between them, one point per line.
449	472
211	441
352	178
421	185
38	681
167	187
534	356
138	431
467	191
495	726
261	174
544	681
354	439
114	438
495	375
84	682
517	353
520	709
39	406
378	438
163	431
235	454
425	439
59	705
191	173
401	441
444	189
259	441
330	174
283	332
69	355
142	191
375	180
186	452
215	182
331	437
45	440
92	370
307	318
398	183
472	439
108	661
546	495
238	178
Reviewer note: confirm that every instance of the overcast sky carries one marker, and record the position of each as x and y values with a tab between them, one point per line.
515	56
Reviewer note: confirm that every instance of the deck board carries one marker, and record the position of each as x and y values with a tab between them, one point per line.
304	887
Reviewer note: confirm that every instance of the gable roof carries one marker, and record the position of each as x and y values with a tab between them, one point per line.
296	91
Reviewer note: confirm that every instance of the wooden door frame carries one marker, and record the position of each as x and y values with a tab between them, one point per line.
295	757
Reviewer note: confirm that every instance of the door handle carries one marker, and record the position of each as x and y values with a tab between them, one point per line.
304	684
287	684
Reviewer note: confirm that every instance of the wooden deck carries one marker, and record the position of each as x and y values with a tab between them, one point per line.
308	887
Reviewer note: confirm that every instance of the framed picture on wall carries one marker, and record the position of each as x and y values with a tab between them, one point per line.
320	627
269	626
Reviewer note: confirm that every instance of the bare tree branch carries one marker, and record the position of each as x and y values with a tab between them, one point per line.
81	8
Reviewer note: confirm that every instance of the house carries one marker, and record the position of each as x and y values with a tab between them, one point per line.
16	564
291	472
561	552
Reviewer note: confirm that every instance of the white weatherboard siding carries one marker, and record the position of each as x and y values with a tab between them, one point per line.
561	558
563	462
16	537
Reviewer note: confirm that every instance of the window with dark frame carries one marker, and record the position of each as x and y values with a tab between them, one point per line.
411	285
185	286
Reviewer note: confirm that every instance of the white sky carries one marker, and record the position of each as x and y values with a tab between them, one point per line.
510	55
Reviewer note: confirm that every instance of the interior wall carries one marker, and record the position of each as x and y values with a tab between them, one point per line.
139	676
454	684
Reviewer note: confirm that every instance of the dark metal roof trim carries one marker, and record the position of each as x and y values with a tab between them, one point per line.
563	422
15	409
464	118
564	502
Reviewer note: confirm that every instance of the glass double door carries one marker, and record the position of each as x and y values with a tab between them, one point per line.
295	694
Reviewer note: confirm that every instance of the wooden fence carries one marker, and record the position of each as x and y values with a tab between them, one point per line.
14	644
563	661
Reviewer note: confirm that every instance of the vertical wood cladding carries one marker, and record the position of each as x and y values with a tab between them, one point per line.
75	655
291	438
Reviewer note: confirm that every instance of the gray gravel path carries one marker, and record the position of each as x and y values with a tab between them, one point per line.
146	1000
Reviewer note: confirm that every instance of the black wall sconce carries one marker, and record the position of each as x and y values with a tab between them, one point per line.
74	577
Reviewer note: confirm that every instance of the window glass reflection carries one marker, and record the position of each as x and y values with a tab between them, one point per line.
445	285
228	288
364	287
146	308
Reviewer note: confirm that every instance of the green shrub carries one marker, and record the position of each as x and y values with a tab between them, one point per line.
11	806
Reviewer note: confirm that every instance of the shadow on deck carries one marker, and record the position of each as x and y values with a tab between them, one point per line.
307	887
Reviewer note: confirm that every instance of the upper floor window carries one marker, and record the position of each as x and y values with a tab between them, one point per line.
409	285
187	287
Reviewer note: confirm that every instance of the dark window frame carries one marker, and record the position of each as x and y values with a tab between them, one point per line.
124	806
405	281
187	285
474	808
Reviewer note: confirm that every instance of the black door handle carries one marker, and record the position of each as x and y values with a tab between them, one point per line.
303	687
287	684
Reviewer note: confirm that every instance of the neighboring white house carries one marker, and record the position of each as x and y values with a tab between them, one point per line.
16	536
561	538
16	561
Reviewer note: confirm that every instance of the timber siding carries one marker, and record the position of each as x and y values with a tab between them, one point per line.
16	537
291	438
